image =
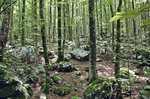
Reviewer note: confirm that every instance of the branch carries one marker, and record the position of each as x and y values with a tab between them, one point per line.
2	4
7	7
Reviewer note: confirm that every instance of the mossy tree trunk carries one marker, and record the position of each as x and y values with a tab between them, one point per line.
92	70
60	56
113	28
44	38
134	26
117	63
23	24
4	29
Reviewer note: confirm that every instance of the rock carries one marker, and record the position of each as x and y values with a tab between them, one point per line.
99	89
87	68
51	54
137	71
25	53
80	54
98	60
124	73
148	82
147	88
78	73
68	57
13	87
85	47
56	78
65	67
61	91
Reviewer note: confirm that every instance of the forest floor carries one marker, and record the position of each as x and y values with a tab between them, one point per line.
79	83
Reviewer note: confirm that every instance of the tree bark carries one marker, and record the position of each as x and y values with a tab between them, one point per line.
23	23
43	35
4	29
92	70
60	56
117	63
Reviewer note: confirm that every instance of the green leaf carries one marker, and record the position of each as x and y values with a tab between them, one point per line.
115	18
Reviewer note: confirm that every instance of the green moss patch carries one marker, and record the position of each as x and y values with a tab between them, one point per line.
61	91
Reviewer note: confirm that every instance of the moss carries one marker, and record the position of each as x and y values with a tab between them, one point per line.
65	67
87	68
76	97
49	82
78	73
62	91
47	89
56	78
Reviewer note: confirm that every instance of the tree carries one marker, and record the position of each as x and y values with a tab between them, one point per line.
44	40
60	56
23	24
5	29
92	70
117	63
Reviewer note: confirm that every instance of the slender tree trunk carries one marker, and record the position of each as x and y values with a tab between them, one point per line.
134	26
101	16
92	70
4	29
60	56
23	24
117	63
113	28
11	22
43	35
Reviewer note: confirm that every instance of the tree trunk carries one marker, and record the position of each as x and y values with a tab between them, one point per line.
60	56
43	35
113	28
117	63
4	30
92	70
23	23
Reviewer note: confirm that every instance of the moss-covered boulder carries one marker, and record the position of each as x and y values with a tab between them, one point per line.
12	86
99	89
25	53
56	78
124	72
65	67
80	54
61	91
78	73
46	86
67	57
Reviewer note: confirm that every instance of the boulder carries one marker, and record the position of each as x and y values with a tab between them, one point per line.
68	57
56	78
61	91
25	53
80	54
65	67
12	87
